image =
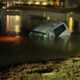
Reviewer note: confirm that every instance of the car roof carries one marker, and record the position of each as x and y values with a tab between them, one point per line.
47	25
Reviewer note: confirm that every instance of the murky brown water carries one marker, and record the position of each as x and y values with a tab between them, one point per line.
17	47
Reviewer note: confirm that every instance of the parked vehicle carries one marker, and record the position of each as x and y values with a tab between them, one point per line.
50	29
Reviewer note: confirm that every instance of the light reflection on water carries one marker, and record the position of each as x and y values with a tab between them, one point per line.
13	23
54	43
17	48
25	21
20	21
71	22
22	49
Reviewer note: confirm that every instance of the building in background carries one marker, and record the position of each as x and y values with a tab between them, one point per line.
71	3
55	3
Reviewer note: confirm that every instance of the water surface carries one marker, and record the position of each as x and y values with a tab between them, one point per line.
17	47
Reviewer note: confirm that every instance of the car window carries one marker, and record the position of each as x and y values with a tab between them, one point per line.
59	30
36	33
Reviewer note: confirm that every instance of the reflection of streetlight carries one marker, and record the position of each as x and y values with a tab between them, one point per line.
17	28
30	2
17	18
13	23
37	3
7	3
44	3
71	24
7	23
17	24
48	17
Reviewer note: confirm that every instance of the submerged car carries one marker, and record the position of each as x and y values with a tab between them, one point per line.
50	29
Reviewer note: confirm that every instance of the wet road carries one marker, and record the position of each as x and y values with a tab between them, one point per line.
17	47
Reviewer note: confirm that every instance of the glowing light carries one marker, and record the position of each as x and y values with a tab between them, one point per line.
8	39
37	3
48	17
8	5
17	36
7	23
13	24
30	2
44	3
17	28
57	3
71	24
51	2
17	25
17	18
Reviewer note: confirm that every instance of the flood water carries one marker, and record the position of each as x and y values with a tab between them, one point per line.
17	47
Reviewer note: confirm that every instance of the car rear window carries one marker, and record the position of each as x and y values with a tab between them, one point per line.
59	30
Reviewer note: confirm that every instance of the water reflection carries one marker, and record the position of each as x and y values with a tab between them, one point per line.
74	46
19	49
71	23
53	43
13	24
7	39
68	46
23	21
48	18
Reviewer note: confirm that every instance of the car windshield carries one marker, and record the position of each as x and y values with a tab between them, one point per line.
36	33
